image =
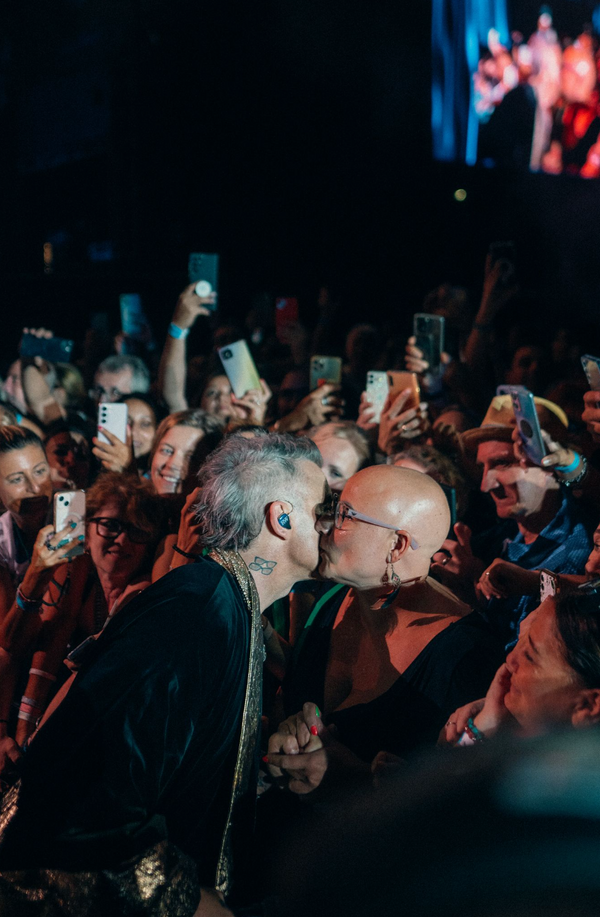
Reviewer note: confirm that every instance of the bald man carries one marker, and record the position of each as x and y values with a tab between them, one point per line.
385	657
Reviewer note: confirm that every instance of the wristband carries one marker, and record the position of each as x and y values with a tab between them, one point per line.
41	674
27	716
26	604
579	477
178	333
185	553
473	732
30	702
567	469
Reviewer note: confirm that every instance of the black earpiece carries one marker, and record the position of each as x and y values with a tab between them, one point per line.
284	521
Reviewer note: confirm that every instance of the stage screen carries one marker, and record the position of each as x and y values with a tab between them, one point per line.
515	84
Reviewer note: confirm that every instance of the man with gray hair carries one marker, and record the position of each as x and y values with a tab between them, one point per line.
118	375
135	785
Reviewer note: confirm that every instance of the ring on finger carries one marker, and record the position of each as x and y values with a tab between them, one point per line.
325	400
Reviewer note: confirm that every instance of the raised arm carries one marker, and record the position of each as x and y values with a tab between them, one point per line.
172	371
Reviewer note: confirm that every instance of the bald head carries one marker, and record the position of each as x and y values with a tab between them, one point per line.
409	498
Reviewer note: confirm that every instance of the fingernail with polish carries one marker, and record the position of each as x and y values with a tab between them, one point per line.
81	538
317	711
265	758
314	731
73	525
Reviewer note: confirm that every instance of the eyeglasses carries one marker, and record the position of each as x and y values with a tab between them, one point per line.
112	394
111	528
342	511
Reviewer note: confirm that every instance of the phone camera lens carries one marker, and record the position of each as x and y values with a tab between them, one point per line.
227	355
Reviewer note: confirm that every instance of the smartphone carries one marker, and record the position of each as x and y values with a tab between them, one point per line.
529	425
286	313
398	381
53	350
134	323
429	333
591	367
69	507
113	417
548	584
508	389
240	368
325	369
377	390
203	270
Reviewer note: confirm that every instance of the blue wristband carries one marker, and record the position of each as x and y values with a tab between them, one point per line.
178	333
567	469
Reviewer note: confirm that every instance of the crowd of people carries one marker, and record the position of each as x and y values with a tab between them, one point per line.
537	100
277	595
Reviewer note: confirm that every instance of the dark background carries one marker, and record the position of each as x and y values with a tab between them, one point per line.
291	136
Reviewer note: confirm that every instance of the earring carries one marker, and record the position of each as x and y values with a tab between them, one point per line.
390	577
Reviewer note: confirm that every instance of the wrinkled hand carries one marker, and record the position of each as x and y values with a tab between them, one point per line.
397	426
9	753
457	721
591	413
503	578
455	559
50	550
252	407
297	752
114	455
190	306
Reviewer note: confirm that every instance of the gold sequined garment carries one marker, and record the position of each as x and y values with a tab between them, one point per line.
235	565
161	883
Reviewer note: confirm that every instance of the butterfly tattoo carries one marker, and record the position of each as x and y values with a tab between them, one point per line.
263	566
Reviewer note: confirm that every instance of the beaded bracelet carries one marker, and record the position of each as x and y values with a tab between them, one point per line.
42	674
473	732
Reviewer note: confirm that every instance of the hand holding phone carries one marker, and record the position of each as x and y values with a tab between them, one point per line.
323	370
69	511
591	368
528	425
240	368
203	272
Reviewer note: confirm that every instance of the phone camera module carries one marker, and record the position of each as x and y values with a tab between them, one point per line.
227	354
526	429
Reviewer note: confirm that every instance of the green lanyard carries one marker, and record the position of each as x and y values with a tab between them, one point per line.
311	620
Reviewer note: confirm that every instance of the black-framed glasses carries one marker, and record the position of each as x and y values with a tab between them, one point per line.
108	527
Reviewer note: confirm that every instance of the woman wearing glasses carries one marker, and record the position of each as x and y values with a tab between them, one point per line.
384	658
123	526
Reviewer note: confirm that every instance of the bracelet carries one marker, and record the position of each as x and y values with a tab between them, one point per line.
567	469
26	604
42	674
176	332
580	476
185	553
473	732
30	702
27	716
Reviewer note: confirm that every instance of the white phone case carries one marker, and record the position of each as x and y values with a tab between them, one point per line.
113	417
377	391
69	507
240	368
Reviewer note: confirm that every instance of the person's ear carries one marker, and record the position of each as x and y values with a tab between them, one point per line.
278	518
586	711
400	546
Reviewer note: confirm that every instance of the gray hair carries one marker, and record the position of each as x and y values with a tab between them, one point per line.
140	374
240	478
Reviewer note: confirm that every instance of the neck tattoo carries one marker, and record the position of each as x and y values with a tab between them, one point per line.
260	565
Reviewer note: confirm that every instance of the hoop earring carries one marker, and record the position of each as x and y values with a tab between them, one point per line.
390	577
